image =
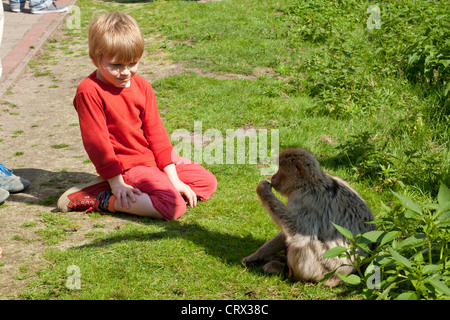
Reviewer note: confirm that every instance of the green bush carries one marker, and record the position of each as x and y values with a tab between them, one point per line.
375	160
410	40
411	260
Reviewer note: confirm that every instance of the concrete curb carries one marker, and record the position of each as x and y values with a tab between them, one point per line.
16	61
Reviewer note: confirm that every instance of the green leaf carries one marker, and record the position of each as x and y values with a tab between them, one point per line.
418	258
413	58
408	203
380	236
327	276
372	236
334	252
408	296
444	210
345	232
447	89
412	242
399	258
350	278
390	236
443	219
443	195
365	248
431	268
382	261
439	285
385	293
412	214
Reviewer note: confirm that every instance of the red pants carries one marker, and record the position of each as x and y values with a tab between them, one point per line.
168	201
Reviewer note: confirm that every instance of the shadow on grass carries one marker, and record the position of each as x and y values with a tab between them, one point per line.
230	248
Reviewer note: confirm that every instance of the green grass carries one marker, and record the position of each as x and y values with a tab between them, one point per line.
135	263
337	88
59	146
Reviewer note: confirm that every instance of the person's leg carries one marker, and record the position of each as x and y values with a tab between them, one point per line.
159	198
91	196
201	181
96	196
143	206
158	191
46	6
17	5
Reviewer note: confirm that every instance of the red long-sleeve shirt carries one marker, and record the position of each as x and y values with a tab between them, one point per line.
121	127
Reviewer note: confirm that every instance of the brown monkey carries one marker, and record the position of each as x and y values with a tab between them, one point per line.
314	200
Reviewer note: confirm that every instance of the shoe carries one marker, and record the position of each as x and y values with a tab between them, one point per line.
90	197
4	194
53	8
10	181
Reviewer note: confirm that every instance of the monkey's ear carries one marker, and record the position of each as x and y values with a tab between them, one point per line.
300	169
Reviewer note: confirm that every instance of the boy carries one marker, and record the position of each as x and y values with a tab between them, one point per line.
124	136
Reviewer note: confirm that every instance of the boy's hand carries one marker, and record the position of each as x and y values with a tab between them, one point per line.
186	191
123	191
180	186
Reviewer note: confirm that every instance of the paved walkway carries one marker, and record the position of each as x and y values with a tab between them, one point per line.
23	35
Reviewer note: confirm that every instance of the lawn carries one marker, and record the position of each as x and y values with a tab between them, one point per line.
365	90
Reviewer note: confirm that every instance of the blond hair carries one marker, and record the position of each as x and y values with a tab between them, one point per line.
115	35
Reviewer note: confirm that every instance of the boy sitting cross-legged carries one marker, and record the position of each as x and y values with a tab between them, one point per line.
124	136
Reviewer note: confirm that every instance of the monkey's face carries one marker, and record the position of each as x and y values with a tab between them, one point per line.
291	170
283	181
275	180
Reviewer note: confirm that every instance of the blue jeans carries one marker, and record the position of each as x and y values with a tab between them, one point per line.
38	4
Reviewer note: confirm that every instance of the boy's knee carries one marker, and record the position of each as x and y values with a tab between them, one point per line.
170	209
176	212
209	188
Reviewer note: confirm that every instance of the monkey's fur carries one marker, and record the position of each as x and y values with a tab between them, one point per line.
314	200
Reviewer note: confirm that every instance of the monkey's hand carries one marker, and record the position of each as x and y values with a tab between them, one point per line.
263	189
